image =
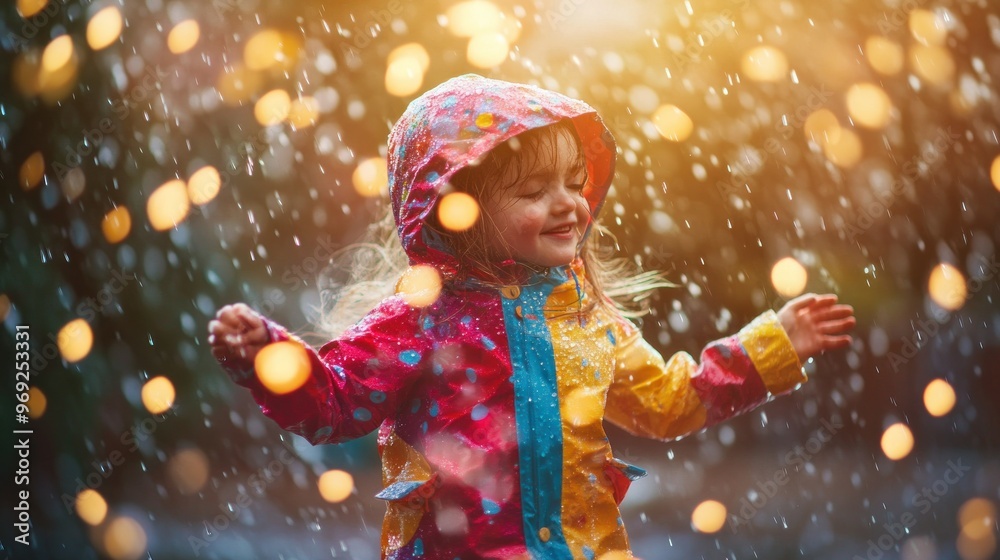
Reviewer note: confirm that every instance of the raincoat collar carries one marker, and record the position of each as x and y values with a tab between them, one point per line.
459	121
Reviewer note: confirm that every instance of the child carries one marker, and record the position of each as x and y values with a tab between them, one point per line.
489	402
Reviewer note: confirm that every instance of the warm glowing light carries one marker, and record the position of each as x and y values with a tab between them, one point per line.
273	107
927	28
184	36
939	397
335	485
414	51
125	539
371	177
189	470
404	77
583	406
972	547
709	516
947	287
979	515
116	224
238	85
845	150
932	63
884	55
57	53
995	173
419	286
458	211
897	441
36	403
869	105
672	123
158	395
822	126
304	112
75	340
282	366
487	50
168	205
264	50
33	169
104	28
789	277
467	19
28	8
203	185
91	507
765	64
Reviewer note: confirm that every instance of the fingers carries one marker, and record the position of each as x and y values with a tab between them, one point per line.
834	312
835	342
801	302
832	327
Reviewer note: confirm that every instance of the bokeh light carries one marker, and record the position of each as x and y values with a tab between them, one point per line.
125	539
487	50
419	286
184	36
116	224
75	340
158	395
28	8
203	185
33	169
869	105
709	516
335	485
282	367
273	107
946	287
897	441
189	469
884	55
583	406
765	64
104	28
927	27
304	112
843	149
168	205
474	17
789	277
933	64
371	177
939	397
91	507
36	403
672	123
458	211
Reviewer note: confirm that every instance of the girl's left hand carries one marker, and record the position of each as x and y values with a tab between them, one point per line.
814	324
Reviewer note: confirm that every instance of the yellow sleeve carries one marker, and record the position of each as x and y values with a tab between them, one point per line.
667	399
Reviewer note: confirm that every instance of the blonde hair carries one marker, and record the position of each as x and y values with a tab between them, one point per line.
363	274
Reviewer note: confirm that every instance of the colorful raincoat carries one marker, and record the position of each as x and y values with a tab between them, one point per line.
490	402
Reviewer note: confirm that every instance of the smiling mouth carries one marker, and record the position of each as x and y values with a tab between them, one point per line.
560	230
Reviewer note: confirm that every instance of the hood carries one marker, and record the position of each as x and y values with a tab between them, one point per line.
458	121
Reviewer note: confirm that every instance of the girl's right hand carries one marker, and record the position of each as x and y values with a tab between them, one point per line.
237	333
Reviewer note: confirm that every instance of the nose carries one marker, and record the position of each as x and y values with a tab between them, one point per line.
565	200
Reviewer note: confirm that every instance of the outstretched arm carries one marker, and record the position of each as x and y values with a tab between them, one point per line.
354	383
668	399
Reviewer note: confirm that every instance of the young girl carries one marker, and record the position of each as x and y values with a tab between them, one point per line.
490	401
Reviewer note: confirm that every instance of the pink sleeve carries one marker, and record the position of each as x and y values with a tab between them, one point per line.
357	380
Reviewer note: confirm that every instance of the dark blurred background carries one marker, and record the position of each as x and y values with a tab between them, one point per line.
163	158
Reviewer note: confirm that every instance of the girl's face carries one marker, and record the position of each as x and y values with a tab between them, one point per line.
542	219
